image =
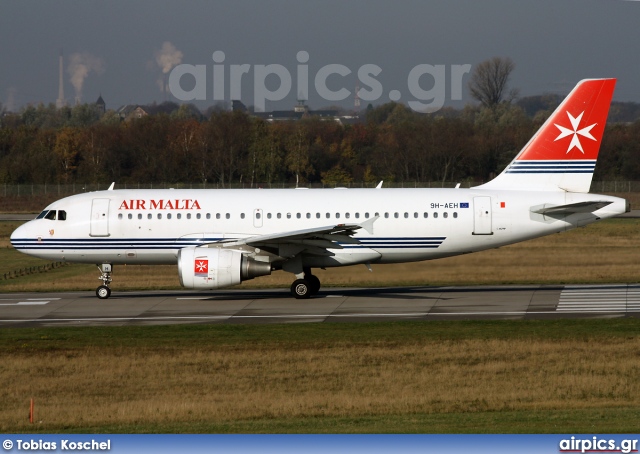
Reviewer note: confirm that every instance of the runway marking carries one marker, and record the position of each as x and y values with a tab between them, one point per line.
621	298
287	316
29	302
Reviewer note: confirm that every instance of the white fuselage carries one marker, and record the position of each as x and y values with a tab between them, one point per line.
151	226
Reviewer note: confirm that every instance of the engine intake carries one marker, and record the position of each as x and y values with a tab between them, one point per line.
211	268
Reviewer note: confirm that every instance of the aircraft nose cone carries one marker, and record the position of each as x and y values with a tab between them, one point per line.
19	233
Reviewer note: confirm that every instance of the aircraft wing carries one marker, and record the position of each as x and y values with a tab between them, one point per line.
312	241
563	210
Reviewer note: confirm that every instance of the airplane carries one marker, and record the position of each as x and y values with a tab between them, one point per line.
221	237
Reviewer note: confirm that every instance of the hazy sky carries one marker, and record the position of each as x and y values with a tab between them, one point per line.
554	43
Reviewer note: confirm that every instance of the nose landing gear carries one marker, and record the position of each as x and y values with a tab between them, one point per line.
103	292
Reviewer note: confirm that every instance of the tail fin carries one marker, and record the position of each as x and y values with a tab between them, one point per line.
562	154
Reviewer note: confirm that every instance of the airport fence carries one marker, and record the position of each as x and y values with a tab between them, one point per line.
63	190
32	270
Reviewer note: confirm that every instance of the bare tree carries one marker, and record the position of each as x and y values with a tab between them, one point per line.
488	83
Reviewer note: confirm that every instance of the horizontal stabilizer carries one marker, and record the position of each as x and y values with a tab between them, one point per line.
563	210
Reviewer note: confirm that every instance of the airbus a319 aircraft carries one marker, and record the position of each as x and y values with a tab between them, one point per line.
219	238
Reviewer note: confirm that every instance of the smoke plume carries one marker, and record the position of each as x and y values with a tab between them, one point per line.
168	57
80	65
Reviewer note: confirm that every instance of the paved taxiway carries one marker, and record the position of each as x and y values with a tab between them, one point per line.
334	305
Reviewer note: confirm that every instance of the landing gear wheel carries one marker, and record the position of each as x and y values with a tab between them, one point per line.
301	289
314	283
103	292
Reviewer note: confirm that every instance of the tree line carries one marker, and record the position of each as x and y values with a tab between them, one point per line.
43	144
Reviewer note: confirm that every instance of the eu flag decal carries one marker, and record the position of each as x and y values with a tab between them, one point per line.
464	205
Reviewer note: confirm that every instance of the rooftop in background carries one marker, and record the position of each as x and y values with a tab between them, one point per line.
299	112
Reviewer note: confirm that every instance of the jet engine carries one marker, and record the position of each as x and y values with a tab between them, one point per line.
211	268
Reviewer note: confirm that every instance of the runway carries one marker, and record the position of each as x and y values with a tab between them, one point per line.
330	305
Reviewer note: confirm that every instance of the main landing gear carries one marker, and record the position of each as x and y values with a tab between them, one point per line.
103	292
305	287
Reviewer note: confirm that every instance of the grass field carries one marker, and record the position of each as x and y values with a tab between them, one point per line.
564	376
486	376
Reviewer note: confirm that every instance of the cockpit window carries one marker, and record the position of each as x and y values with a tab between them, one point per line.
61	215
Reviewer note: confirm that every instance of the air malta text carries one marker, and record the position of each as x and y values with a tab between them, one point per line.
175	204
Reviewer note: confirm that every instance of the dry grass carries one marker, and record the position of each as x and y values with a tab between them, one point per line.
93	387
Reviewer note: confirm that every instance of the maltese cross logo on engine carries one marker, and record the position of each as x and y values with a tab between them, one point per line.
575	140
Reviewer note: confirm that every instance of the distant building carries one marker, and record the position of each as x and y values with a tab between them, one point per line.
101	107
238	106
131	112
300	111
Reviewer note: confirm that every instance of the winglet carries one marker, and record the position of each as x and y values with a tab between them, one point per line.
368	224
379	184
111	187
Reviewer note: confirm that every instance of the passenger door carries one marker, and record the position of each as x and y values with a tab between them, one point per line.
100	217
